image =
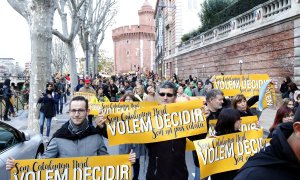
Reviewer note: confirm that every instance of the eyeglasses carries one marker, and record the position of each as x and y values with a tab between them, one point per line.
79	111
168	94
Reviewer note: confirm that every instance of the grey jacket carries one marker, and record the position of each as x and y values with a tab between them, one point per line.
65	143
92	145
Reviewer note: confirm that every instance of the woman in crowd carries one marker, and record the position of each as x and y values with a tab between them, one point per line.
138	149
284	89
14	91
288	103
181	94
47	110
25	92
240	103
293	89
100	96
209	86
229	121
138	90
283	115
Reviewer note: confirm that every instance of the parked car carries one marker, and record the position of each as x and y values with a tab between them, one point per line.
19	145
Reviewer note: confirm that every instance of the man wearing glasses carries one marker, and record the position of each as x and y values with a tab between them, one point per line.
76	137
167	158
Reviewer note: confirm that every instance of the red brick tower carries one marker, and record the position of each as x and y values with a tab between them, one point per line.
134	45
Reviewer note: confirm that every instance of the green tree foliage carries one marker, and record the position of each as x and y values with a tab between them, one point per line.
209	9
216	12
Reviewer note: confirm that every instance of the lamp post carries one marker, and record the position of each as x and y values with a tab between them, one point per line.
241	65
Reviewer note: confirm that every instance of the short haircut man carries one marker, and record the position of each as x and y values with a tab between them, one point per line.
167	92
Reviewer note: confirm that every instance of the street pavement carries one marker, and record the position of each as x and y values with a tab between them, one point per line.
266	119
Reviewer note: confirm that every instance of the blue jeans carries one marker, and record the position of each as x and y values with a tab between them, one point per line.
42	120
197	173
59	105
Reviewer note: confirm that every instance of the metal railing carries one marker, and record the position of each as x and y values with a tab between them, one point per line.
272	10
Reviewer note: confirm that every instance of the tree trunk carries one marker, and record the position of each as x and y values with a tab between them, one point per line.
96	58
40	25
72	65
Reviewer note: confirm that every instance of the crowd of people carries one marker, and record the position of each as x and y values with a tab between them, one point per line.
280	160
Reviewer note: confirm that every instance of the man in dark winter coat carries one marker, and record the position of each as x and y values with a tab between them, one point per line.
167	158
280	160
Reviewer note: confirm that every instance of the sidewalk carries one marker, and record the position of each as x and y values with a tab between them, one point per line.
21	121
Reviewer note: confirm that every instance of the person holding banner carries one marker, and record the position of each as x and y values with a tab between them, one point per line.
280	160
87	87
229	121
167	158
76	137
214	104
138	149
240	103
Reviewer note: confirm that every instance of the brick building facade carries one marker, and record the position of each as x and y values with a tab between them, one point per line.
134	45
261	41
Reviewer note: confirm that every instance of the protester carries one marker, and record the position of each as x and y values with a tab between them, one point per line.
181	94
214	105
283	115
229	121
280	160
293	89
288	103
284	89
240	103
25	92
167	158
60	91
138	149
198	91
100	96
188	89
138	90
47	109
152	96
113	90
79	85
76	137
7	94
87	87
14	91
209	86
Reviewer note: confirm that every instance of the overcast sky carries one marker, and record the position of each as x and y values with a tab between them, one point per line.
15	37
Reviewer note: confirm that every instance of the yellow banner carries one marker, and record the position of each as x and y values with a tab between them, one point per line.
91	97
117	107
248	84
248	123
93	167
228	152
157	123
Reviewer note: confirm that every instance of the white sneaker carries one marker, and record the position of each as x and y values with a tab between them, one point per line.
55	118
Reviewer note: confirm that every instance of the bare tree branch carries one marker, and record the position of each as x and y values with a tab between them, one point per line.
60	35
21	7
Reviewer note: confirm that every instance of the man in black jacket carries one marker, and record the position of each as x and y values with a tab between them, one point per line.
167	158
280	160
